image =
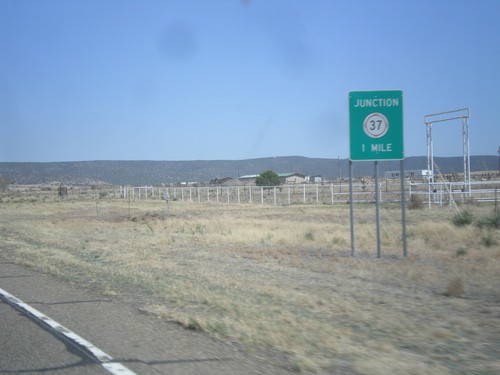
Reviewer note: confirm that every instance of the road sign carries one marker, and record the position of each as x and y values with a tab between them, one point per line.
376	125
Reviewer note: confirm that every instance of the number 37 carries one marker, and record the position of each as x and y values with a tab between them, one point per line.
375	124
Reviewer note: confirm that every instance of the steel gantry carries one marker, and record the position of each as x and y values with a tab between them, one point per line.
459	114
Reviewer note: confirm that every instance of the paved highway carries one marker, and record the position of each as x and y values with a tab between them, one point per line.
142	343
27	348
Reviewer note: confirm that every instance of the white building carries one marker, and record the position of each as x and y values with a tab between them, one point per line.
418	174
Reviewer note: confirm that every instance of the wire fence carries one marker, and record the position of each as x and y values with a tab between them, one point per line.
266	195
323	194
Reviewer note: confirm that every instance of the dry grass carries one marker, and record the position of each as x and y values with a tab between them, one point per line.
280	278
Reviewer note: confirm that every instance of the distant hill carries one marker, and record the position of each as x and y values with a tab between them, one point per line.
139	173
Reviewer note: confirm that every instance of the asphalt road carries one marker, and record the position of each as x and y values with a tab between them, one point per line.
29	349
142	343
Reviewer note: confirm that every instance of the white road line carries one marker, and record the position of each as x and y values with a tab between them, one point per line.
104	359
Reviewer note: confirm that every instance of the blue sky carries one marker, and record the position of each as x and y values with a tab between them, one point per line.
233	79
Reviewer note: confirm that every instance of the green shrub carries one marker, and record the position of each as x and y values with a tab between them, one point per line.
492	221
462	218
198	229
460	252
488	240
309	236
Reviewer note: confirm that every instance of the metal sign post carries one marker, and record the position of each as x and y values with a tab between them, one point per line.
351	209
403	205
377	209
376	133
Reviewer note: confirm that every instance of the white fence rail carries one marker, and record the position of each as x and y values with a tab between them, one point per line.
325	194
452	192
277	195
441	194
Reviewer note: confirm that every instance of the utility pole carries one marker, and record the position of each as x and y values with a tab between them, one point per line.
340	167
499	160
340	173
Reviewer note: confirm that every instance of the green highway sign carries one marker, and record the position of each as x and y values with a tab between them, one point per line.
376	125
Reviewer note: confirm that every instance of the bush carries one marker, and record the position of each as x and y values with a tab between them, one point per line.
488	240
268	178
309	236
416	202
462	218
460	252
492	221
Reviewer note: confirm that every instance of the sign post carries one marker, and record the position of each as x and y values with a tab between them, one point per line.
376	133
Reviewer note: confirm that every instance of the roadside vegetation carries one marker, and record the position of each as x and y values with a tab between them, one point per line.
280	279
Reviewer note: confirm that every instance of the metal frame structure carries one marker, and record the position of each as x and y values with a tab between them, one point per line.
458	114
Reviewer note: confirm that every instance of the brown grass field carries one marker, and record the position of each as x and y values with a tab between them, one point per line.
280	280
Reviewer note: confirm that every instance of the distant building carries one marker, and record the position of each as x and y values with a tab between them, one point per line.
285	179
247	180
317	179
418	174
291	178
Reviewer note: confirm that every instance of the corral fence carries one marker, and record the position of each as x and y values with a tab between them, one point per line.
389	191
448	193
324	194
273	195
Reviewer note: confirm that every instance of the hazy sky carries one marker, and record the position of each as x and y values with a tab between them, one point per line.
233	79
